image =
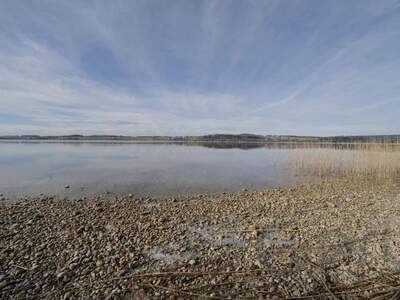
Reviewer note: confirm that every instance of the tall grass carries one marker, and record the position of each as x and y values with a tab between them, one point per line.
366	159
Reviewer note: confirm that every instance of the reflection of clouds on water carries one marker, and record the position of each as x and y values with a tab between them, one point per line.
140	169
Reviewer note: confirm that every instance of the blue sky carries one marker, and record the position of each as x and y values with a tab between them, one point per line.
193	67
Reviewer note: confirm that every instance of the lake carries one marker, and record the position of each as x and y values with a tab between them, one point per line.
88	168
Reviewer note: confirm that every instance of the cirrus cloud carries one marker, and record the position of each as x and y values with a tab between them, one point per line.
197	67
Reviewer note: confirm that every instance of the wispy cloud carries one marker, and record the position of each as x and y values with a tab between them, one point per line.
194	67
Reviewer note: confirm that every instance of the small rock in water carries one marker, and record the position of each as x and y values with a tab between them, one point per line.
66	187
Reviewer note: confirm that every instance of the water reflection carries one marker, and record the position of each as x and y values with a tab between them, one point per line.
243	146
142	169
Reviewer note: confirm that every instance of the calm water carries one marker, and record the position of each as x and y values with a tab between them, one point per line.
140	169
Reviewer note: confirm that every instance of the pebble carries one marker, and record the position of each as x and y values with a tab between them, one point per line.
70	248
61	275
192	262
3	284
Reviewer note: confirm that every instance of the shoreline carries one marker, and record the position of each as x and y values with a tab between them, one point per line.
195	142
308	239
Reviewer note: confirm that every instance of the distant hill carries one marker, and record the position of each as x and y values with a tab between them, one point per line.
245	137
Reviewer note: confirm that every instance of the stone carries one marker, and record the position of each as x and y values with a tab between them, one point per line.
3	284
192	262
258	263
61	275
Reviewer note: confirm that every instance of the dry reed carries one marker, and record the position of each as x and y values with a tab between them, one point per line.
366	159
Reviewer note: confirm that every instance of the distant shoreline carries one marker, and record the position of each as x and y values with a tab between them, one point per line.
239	142
212	138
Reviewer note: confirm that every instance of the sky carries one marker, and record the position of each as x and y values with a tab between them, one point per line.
190	67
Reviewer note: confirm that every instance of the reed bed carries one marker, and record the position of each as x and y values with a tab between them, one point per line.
365	159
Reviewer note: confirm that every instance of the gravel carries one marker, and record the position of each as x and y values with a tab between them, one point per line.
284	242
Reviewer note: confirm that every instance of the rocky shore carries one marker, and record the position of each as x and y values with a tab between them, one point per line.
335	239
